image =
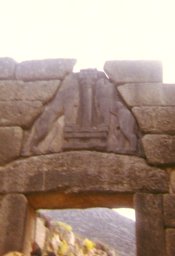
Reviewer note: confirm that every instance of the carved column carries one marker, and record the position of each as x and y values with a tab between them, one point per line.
12	222
150	233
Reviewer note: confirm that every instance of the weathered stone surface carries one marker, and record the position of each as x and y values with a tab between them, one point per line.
51	143
88	112
1	197
170	238
7	68
148	94
10	143
44	69
48	128
155	119
19	113
122	71
12	223
172	179
34	91
82	172
169	210
149	225
159	149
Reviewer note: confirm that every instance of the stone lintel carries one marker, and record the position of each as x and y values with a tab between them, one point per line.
83	172
149	225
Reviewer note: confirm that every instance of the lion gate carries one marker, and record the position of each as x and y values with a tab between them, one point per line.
87	139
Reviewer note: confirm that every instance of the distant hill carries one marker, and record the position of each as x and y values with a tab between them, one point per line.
100	224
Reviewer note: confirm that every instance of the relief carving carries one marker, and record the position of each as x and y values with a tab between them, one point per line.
86	113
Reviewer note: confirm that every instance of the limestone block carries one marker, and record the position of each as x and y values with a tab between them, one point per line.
19	113
170	238
28	91
12	223
159	149
7	68
155	119
1	197
122	71
149	225
10	143
44	69
82	172
169	210
139	94
172	180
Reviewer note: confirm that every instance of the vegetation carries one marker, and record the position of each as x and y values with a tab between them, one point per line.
61	241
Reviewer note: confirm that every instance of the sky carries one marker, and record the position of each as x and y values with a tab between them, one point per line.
92	31
126	212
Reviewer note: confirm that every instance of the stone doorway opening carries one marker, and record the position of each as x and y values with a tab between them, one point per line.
106	226
98	221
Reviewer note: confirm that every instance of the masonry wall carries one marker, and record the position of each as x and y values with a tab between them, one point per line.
87	139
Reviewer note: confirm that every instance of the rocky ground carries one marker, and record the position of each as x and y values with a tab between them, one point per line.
62	241
100	224
89	232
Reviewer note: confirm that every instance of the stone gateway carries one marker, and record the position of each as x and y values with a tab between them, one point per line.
87	139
